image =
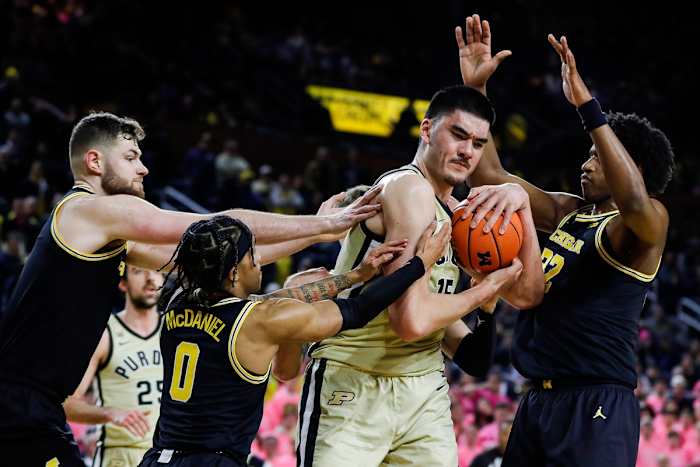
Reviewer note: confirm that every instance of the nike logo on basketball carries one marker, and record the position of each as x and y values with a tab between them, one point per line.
599	413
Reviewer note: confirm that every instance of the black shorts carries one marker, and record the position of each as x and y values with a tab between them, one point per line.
33	429
192	459
584	426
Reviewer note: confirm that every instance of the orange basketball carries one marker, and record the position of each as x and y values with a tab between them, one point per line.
485	252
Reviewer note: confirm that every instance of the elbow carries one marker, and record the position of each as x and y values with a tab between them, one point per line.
409	328
530	299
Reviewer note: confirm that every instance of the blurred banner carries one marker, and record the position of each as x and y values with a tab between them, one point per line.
368	113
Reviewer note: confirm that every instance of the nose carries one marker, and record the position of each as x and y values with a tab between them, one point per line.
588	166
466	150
142	170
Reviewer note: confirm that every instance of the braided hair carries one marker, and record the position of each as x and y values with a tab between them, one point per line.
205	255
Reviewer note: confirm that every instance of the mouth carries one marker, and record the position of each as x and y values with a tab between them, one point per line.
464	165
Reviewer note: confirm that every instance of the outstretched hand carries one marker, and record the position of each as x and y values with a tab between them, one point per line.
475	60
575	89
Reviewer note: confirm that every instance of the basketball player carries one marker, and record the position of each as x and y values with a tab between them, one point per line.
378	395
128	371
60	305
218	345
578	346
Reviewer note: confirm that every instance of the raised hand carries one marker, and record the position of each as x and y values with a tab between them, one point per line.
475	60
575	89
379	256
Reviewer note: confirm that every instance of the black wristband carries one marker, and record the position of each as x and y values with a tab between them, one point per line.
592	115
378	295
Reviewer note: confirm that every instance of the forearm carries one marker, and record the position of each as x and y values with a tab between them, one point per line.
272	252
322	289
621	172
77	410
528	290
475	352
278	228
427	312
287	362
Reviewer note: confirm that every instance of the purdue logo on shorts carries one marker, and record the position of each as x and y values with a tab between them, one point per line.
341	396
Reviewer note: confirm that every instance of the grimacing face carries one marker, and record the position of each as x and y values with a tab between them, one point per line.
124	171
456	144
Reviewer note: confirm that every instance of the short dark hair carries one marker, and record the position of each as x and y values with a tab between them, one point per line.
202	256
99	127
648	146
352	194
460	97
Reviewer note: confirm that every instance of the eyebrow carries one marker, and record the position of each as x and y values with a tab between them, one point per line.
458	129
138	153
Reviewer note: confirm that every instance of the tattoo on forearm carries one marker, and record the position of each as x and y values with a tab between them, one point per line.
315	291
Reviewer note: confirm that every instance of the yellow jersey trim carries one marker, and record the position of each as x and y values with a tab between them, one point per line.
237	366
226	301
616	264
72	251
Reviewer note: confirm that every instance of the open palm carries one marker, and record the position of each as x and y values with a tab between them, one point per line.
475	60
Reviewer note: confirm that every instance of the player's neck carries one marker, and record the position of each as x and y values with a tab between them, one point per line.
442	190
141	321
90	183
604	206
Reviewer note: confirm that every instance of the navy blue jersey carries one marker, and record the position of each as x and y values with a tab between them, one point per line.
586	327
58	311
210	402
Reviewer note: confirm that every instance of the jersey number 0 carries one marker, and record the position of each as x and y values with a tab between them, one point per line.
186	355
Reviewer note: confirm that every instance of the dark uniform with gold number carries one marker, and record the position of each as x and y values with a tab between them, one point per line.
579	349
55	318
211	406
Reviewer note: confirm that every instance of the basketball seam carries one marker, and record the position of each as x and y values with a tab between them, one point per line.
498	251
520	241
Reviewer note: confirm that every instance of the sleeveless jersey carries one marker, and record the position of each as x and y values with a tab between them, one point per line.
587	326
131	378
376	348
58	311
210	402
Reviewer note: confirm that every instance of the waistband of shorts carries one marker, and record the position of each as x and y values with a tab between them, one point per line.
236	456
574	383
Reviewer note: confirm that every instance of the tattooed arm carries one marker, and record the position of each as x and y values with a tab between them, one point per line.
331	285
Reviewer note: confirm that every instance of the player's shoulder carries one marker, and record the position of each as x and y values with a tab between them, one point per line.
407	187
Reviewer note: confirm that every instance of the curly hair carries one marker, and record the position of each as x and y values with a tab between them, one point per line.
648	146
202	258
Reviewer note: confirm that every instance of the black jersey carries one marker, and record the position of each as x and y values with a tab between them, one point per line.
587	326
210	402
58	311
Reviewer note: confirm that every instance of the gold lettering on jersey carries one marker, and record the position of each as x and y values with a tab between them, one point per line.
567	241
189	319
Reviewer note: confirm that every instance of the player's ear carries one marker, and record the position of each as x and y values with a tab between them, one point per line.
122	284
94	162
231	277
425	126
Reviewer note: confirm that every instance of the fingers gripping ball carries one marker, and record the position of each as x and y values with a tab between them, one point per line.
485	252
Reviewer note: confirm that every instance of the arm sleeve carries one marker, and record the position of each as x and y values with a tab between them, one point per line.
476	351
378	295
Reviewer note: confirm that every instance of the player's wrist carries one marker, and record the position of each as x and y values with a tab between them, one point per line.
591	114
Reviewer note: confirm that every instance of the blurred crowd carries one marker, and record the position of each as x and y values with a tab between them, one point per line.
221	94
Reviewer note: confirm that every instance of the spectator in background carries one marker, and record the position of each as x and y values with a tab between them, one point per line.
467	446
494	456
198	169
284	198
262	185
12	256
229	164
321	175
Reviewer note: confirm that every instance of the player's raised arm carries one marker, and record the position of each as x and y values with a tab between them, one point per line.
477	65
644	216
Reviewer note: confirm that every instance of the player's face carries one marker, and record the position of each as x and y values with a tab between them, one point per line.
249	273
593	185
142	286
124	170
457	142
